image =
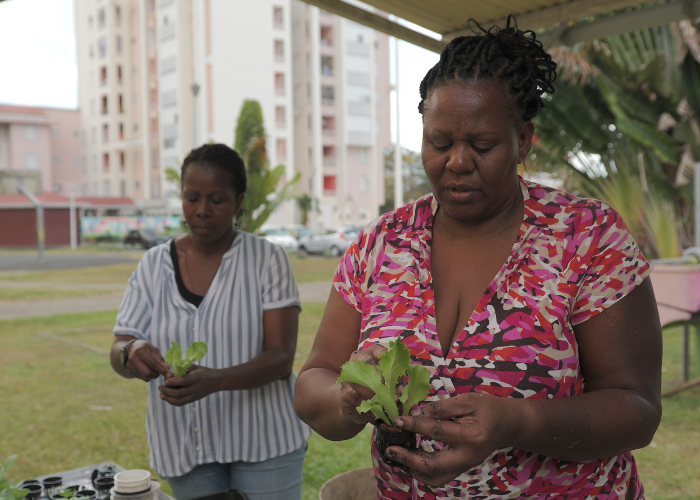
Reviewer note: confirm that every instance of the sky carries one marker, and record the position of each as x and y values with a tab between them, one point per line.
39	65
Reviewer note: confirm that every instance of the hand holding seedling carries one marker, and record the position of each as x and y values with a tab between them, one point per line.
352	395
472	426
145	361
384	378
189	382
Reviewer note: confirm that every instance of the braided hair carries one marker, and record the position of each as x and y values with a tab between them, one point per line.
223	157
512	57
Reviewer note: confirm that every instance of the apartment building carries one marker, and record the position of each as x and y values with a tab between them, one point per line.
322	82
118	97
42	140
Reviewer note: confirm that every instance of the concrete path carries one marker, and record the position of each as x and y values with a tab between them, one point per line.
308	292
28	261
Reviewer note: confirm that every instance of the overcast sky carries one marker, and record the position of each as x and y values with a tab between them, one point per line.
39	67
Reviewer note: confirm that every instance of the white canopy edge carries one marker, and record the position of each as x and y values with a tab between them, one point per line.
557	17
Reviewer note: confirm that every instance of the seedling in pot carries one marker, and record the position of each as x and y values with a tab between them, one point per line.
393	396
10	490
195	352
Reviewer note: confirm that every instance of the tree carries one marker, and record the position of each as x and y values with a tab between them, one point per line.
415	182
263	195
305	203
622	126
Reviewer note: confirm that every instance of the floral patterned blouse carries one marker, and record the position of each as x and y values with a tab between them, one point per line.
572	259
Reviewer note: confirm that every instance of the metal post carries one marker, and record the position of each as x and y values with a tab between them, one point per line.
686	352
398	157
40	233
73	224
697	204
195	91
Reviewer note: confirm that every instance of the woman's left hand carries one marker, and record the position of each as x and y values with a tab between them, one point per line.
197	383
472	426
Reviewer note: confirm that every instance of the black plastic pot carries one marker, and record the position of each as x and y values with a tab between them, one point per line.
34	489
391	436
86	494
52	485
103	484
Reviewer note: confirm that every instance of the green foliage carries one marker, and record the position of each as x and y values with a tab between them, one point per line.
415	182
195	352
394	363
10	490
262	194
306	204
172	175
628	131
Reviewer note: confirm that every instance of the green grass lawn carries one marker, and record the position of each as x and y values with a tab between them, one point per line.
56	385
10	294
305	270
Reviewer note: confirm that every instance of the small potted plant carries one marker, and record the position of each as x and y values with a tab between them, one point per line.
195	352
398	386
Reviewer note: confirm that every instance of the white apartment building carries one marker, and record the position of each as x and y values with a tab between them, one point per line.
322	83
118	96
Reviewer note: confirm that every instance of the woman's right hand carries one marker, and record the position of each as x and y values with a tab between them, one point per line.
146	362
352	395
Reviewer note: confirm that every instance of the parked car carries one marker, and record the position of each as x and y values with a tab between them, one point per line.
332	240
282	238
145	238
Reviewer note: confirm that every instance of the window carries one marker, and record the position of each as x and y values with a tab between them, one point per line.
122	161
92	51
362	156
137	156
363	213
327	65
278	17
121	104
121	131
92	78
94	189
103	105
328	125
281	149
122	188
280	117
117	15
30	132
329	185
55	132
106	190
93	163
326	35
105	162
118	44
329	155
279	50
105	133
362	183
102	46
93	135
103	76
56	187
155	187
279	83
31	161
101	18
119	74
327	94
89	21
56	160
78	161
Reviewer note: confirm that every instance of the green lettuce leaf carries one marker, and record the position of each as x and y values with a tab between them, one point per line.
195	352
393	363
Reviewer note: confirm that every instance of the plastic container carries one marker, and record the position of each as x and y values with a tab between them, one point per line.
391	436
225	495
149	494
132	481
358	484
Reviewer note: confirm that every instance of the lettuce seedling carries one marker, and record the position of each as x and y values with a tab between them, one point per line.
195	352
394	363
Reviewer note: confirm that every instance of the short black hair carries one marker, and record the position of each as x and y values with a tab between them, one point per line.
507	55
222	156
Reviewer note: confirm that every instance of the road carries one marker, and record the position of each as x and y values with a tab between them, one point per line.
29	261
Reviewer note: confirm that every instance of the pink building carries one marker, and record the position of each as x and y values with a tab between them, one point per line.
45	140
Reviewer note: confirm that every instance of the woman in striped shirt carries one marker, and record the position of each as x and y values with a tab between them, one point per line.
229	422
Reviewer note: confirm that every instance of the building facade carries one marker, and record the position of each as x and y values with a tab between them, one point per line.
159	77
46	141
118	97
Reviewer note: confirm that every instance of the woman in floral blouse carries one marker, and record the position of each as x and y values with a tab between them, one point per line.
531	308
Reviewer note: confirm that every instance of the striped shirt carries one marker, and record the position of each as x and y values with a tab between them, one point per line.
228	426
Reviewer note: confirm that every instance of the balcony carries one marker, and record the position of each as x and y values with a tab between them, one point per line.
329	160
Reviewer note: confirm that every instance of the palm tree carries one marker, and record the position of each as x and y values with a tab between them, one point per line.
623	126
